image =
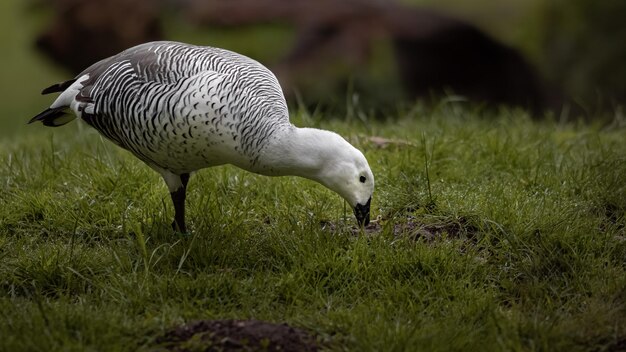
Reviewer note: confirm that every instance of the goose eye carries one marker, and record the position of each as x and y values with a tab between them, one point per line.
362	179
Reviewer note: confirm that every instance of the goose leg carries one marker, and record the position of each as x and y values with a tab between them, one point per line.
177	185
179	205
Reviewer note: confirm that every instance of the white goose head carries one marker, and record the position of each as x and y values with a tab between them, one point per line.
347	172
327	158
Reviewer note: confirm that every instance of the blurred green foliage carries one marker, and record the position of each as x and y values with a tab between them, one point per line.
23	73
585	49
577	45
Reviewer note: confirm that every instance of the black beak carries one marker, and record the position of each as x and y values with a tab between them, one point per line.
362	213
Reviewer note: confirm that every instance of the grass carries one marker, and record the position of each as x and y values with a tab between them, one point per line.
497	232
535	258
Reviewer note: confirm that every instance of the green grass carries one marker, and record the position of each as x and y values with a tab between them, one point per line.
537	261
530	251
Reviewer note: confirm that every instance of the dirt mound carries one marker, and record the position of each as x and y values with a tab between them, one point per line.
415	228
237	335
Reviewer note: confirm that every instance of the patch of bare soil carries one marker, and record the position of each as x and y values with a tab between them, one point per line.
237	335
453	228
416	229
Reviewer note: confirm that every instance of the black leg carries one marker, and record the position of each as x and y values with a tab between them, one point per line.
184	178
178	198
177	185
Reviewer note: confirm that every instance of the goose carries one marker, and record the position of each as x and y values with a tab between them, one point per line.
180	108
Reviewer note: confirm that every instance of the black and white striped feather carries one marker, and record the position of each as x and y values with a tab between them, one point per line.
179	107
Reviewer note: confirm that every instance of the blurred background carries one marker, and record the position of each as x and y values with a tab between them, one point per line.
564	56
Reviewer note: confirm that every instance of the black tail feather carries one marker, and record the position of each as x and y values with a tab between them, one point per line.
49	116
59	87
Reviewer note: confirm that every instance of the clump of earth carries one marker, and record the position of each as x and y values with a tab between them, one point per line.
413	228
237	335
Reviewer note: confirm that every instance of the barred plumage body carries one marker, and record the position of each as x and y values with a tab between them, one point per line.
181	107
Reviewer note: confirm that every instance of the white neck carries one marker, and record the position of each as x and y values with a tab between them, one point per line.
299	152
321	156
